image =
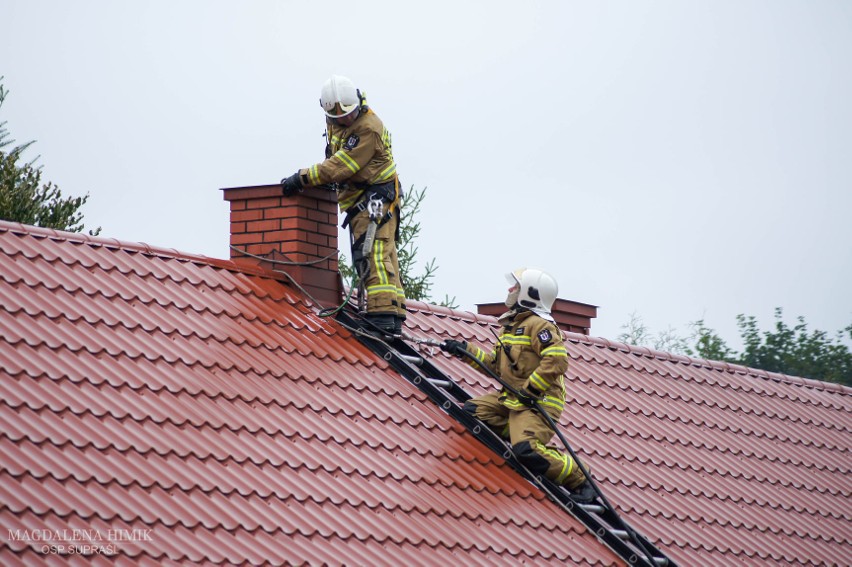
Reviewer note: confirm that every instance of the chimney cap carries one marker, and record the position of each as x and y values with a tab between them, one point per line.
570	316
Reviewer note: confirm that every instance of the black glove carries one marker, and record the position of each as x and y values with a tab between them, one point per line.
528	397
291	185
456	348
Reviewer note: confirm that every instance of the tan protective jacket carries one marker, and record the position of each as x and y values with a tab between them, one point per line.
360	154
536	360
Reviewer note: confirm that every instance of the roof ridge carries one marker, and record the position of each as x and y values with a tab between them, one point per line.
439	310
830	387
131	246
444	311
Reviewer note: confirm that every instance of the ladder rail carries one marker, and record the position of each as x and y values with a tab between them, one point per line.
627	529
608	527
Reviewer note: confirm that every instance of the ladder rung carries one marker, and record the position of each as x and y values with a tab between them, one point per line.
416	360
593	508
628	545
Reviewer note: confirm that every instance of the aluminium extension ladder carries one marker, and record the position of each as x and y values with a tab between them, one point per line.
602	520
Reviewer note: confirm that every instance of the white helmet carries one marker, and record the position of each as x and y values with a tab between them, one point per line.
339	97
538	290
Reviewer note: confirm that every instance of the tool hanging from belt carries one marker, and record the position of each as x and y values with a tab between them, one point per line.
361	255
375	207
386	192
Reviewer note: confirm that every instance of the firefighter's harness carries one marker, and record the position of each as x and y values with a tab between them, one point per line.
373	201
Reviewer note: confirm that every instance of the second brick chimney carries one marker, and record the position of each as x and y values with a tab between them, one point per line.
570	316
298	234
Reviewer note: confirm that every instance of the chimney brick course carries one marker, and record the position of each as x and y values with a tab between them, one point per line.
301	228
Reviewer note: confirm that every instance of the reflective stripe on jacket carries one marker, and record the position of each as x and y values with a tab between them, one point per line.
536	359
359	155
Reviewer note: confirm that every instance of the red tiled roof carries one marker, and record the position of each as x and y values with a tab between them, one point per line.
145	389
716	464
185	409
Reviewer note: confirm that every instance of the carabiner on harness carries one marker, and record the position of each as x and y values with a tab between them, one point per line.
375	207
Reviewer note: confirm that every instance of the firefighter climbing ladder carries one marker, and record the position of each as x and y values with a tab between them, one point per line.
600	517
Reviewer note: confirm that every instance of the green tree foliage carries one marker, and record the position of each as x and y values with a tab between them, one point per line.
23	196
417	286
708	344
637	333
795	351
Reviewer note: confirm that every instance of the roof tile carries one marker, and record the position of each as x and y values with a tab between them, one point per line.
208	403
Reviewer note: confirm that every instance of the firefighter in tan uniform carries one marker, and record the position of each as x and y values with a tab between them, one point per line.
360	161
531	357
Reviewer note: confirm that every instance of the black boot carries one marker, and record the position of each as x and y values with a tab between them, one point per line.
584	493
397	325
380	325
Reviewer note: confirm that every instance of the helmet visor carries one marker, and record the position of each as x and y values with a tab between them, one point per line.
515	277
339	110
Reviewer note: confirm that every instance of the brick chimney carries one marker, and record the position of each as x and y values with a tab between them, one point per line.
301	228
570	316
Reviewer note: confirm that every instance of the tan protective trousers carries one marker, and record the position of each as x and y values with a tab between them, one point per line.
385	293
528	426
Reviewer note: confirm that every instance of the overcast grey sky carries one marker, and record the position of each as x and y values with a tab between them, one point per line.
677	159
